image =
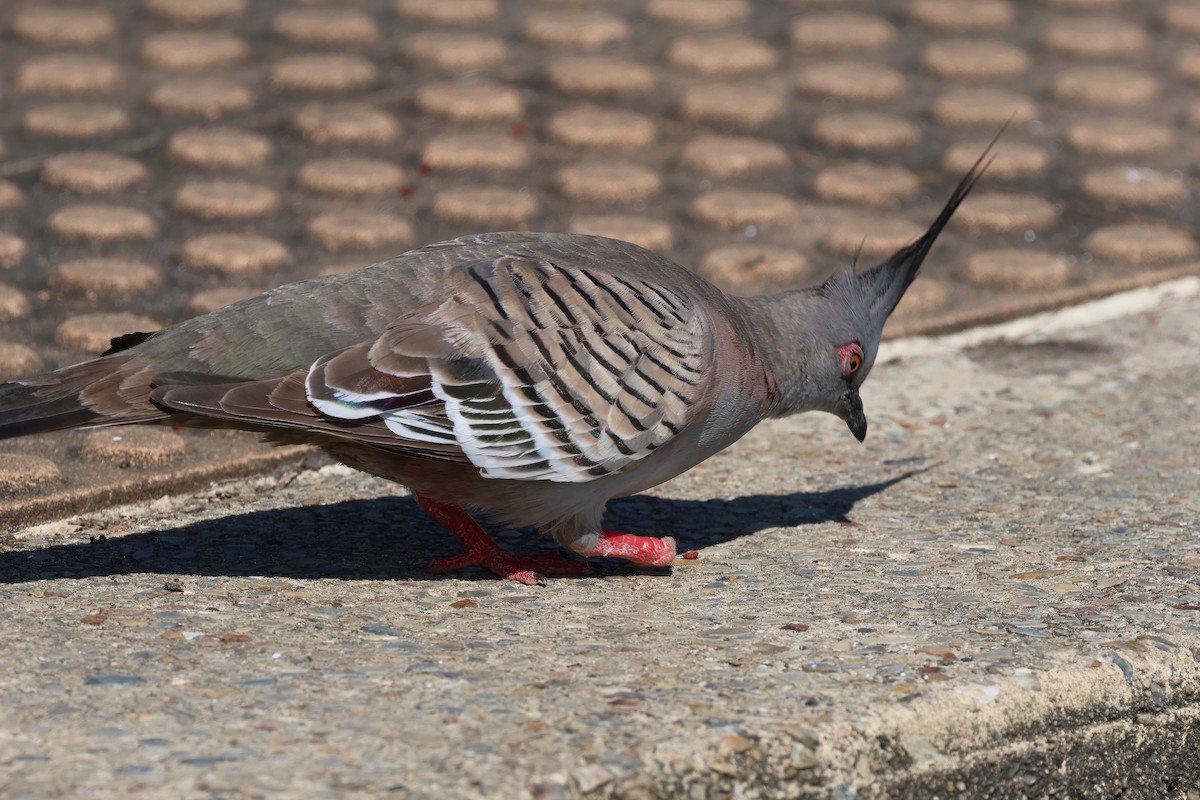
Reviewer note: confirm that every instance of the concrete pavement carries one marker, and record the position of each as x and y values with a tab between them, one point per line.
997	595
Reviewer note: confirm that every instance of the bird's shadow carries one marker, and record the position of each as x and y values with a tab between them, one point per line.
390	538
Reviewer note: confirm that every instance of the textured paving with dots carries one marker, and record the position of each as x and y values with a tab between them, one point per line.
162	158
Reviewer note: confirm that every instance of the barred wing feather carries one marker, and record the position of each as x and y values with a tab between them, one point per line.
535	371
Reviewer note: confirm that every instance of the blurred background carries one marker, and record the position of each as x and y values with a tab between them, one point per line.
162	158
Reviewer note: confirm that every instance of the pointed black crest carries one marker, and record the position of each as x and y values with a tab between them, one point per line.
886	283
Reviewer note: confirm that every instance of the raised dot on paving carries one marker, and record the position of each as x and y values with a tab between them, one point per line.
923	297
1014	160
583	28
101	223
195	10
1120	136
475	101
705	13
721	53
76	120
456	50
225	199
599	75
13	303
1134	186
105	277
20	472
865	130
1018	268
325	26
341	267
738	208
210	300
485	205
836	30
1007	211
358	230
609	181
1182	17
1094	37
93	171
651	234
345	123
203	96
742	267
193	49
591	126
323	73
95	332
1141	243
1105	85
10	195
133	446
748	105
72	25
347	175
67	73
17	360
1187	62
219	146
449	12
475	151
974	58
233	252
852	80
727	156
962	15
12	250
1083	5
984	106
866	183
874	236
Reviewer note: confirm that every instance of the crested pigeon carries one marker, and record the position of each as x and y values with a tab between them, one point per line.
531	377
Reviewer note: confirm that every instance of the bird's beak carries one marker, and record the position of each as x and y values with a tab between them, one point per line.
849	407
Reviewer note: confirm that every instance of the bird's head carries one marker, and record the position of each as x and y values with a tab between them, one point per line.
845	317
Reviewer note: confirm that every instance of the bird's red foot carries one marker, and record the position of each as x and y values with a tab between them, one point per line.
526	569
642	551
482	550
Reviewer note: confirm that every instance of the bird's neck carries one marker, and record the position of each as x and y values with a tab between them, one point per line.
784	343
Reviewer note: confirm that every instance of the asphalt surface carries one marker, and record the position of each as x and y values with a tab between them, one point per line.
997	595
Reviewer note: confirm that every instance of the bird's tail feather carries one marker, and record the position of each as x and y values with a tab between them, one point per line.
93	393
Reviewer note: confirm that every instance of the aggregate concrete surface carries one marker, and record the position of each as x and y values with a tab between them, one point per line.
998	595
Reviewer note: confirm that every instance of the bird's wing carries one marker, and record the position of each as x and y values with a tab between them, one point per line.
525	370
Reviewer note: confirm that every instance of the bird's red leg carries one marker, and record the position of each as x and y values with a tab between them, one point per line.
482	551
642	551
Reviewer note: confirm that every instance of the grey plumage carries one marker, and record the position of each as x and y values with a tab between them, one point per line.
530	376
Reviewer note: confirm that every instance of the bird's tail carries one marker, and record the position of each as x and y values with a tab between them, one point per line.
106	391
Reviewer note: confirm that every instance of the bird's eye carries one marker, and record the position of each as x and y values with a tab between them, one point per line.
851	357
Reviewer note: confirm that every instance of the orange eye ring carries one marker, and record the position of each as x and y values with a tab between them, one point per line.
850	357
